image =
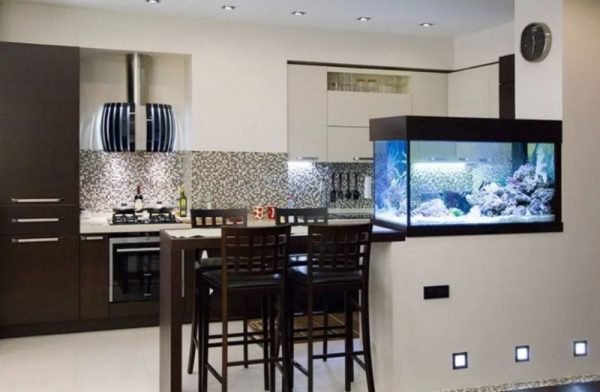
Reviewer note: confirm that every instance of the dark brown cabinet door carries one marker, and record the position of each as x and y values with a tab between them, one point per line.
39	123
39	220
39	279
93	264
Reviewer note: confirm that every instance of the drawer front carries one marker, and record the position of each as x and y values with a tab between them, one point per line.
39	220
39	279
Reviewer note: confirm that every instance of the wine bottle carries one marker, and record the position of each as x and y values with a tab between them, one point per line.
138	200
182	203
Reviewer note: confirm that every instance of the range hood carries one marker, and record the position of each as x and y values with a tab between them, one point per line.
137	125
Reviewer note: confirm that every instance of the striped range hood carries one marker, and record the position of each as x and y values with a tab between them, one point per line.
136	124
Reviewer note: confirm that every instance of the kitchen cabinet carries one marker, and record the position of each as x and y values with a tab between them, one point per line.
348	144
39	118
474	92
429	92
39	279
39	197
307	112
355	109
94	279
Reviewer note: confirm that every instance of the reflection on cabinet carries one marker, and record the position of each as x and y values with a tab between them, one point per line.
93	264
307	112
348	144
39	279
355	109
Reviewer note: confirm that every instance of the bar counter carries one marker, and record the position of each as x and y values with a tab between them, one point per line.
173	243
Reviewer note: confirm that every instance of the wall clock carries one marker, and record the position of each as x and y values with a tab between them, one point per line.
536	40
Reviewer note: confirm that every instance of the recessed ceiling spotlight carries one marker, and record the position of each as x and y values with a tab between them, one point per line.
580	348
426	24
460	361
298	13
363	18
228	7
153	1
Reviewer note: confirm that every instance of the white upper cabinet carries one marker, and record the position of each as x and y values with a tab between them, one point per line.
474	92
348	144
355	109
429	92
307	112
329	108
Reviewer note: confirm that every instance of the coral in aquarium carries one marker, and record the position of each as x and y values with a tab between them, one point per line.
528	192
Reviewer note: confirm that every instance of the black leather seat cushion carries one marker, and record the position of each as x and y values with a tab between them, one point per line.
243	282
209	263
300	273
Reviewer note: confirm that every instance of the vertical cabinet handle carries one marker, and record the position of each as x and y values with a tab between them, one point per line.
34	240
36	220
40	200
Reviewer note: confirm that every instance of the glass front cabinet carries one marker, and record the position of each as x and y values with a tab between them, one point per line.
449	176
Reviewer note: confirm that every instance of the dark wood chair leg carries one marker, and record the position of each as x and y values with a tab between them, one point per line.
290	337
193	336
272	345
245	331
204	323
265	337
309	338
366	333
224	341
325	327
349	347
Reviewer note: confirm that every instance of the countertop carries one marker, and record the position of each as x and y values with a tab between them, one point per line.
97	222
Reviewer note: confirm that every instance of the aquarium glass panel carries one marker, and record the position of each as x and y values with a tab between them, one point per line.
390	181
455	183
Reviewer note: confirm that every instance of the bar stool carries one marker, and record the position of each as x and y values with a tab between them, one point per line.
202	218
304	217
337	261
254	263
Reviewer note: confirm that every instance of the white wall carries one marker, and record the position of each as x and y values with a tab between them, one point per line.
238	70
538	86
484	46
508	290
474	92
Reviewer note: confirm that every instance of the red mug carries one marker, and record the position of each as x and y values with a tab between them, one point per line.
271	212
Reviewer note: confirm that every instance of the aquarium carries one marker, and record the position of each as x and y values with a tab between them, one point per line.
496	176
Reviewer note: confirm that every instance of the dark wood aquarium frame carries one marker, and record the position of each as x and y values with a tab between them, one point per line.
462	129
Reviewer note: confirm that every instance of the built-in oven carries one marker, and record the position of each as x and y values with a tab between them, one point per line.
134	268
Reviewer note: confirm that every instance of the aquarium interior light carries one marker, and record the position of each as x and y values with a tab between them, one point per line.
580	348
460	361
522	354
443	165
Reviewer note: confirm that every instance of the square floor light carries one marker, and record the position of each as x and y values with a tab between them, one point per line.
460	361
522	354
580	348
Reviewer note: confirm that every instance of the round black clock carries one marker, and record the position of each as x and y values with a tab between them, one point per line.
536	40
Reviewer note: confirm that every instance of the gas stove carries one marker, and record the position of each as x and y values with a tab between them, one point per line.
128	216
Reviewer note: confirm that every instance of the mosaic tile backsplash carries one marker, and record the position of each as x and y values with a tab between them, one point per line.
225	179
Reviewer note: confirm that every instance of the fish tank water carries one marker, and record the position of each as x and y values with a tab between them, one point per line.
481	183
444	175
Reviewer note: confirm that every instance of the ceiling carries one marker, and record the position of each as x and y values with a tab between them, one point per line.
451	18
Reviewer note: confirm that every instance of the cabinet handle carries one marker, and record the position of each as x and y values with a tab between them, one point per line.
132	250
307	158
362	158
34	240
92	238
50	200
36	220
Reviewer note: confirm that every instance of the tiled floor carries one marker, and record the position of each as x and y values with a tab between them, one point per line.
127	361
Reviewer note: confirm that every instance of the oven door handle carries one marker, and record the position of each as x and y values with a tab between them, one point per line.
134	250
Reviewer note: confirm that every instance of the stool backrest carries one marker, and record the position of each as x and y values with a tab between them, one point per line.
218	218
300	216
248	251
339	248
